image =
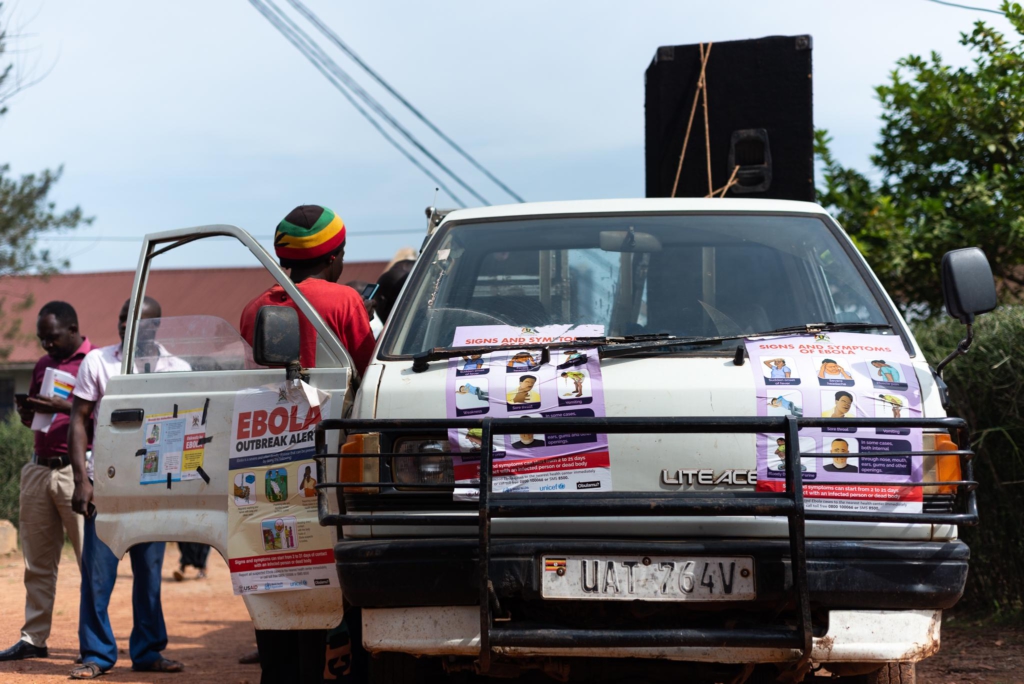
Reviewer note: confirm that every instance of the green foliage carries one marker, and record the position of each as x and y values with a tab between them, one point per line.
25	214
987	389
951	162
25	210
15	450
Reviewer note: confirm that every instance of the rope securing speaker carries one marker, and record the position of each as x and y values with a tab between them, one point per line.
702	93
732	181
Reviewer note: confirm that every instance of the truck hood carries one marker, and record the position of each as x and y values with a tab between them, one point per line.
633	387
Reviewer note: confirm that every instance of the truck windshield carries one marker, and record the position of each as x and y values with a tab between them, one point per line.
681	275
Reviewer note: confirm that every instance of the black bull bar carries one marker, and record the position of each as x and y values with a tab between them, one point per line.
788	504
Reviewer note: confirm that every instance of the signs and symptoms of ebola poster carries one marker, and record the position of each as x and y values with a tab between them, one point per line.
840	375
514	383
173	446
275	541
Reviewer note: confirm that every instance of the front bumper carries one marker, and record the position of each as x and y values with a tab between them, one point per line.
842	575
800	583
852	637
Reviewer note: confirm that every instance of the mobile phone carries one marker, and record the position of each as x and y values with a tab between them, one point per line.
19	398
369	291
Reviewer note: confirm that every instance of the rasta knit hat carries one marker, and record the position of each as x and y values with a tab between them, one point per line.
308	232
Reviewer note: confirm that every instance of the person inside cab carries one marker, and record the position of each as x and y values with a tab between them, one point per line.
310	241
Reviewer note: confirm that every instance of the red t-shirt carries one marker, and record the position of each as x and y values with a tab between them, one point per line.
339	305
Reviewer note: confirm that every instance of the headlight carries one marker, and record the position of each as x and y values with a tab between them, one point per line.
433	467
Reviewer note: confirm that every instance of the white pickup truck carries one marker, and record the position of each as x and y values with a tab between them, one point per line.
717	524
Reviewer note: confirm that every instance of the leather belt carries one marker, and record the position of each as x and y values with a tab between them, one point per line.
52	462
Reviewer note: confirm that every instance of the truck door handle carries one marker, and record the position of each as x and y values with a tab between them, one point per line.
126	416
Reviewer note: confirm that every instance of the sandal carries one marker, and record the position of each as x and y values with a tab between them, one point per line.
161	665
87	671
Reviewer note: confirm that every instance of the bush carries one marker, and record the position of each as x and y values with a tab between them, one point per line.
15	450
986	388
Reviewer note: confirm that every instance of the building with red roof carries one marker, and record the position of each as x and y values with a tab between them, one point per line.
98	298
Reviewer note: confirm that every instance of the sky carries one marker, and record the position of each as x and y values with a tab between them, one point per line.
173	114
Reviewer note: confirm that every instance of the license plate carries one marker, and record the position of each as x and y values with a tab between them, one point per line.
648	578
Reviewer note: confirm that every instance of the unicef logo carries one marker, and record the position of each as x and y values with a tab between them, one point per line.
561	485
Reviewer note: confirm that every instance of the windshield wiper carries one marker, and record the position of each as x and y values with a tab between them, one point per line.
609	351
421	361
611	347
812	328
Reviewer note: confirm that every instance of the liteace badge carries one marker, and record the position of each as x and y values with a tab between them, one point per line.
738	477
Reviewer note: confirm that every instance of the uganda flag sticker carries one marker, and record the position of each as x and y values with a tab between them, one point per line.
553	564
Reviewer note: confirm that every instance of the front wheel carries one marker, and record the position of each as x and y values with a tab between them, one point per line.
894	673
890	673
399	668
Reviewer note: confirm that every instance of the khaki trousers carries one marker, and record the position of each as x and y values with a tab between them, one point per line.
45	510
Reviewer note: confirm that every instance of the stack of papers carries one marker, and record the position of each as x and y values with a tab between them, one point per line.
56	383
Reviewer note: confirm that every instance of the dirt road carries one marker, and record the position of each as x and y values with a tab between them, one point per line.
976	653
208	627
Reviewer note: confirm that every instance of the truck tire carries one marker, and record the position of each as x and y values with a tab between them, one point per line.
397	668
890	673
894	673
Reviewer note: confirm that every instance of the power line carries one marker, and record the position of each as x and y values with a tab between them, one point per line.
341	88
316	55
354	86
966	7
334	38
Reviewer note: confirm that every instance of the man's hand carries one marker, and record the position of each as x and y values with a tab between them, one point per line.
82	497
78	441
25	413
48	404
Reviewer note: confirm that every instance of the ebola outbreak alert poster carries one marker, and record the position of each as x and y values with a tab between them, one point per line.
840	375
275	541
516	383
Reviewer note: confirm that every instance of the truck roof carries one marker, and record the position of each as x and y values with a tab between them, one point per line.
640	205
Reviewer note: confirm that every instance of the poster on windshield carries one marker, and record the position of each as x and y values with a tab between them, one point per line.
275	541
173	445
841	375
516	383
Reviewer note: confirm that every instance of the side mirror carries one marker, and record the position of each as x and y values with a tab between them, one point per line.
275	340
968	287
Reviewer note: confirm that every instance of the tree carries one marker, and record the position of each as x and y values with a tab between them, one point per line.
26	212
951	163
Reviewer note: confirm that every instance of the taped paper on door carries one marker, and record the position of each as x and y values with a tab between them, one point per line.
173	444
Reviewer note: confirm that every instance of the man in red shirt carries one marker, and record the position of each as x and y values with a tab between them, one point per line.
47	482
311	242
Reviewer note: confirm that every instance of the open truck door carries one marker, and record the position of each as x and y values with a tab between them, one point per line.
135	502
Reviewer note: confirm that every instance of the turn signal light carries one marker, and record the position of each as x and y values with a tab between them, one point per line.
364	468
939	468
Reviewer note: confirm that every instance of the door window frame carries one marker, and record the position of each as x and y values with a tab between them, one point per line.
330	352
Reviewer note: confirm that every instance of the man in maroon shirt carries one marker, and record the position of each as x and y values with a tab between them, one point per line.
47	482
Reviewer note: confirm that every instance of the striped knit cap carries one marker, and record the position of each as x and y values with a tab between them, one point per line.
308	232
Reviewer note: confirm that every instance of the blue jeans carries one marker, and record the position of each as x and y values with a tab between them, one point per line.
99	572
